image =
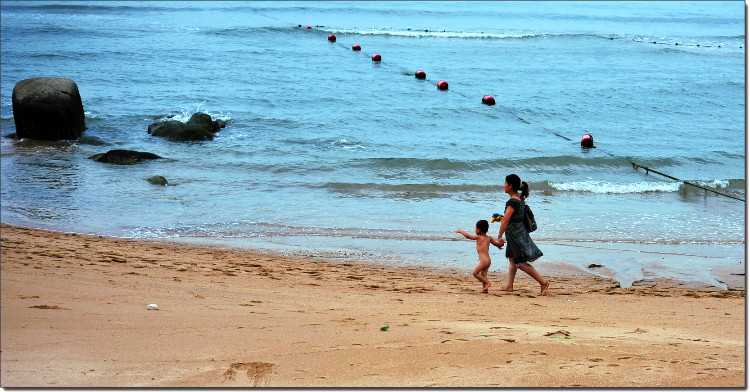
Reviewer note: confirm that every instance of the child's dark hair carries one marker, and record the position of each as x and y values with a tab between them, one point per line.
483	226
515	182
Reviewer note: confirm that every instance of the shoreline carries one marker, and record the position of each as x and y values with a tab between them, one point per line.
76	314
666	263
670	263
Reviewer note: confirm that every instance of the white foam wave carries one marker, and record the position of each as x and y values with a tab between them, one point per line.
187	111
714	184
616	187
347	145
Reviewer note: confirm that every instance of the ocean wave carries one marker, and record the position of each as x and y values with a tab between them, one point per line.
441	167
113	7
409	32
595	186
441	164
613	187
274	123
692	50
413	191
669	45
52	55
248	30
413	163
739	38
717	184
328	143
427	33
731	186
55	31
729	154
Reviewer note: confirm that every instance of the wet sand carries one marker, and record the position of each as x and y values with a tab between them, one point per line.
75	313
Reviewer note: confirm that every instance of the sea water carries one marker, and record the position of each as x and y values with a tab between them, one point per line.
328	153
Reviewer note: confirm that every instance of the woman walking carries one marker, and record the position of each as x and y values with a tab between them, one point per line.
521	250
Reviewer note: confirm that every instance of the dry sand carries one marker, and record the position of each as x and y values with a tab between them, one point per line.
75	314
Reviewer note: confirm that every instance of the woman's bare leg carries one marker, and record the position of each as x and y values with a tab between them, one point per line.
534	274
511	276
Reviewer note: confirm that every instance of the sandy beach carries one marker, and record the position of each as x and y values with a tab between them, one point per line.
89	311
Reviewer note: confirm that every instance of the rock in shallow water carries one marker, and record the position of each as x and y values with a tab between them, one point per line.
199	127
48	109
157	180
124	157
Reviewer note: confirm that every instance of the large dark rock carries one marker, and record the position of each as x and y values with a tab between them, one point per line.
48	108
199	127
123	157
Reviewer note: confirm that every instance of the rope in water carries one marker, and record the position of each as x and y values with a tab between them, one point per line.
634	164
508	110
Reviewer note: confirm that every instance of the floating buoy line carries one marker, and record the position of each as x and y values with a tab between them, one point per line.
587	140
679	44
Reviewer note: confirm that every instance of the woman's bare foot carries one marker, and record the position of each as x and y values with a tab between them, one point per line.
545	286
506	289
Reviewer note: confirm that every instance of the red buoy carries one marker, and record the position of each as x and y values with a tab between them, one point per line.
332	38
308	27
442	85
356	47
587	141
375	57
488	100
420	75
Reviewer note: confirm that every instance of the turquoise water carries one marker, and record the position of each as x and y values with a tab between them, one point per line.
329	153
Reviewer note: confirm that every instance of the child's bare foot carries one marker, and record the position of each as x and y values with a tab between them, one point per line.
486	287
545	286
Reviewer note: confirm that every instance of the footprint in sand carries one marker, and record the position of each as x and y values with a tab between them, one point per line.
257	372
48	307
558	334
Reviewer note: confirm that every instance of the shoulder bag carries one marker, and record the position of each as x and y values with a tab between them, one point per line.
528	218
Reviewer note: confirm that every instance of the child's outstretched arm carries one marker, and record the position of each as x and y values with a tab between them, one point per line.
495	242
467	235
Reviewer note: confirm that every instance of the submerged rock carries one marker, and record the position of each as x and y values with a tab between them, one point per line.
92	141
124	157
157	180
199	127
48	109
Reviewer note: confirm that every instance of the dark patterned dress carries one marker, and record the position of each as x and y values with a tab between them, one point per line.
519	247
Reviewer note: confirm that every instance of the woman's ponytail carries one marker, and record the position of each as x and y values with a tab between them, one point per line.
524	191
519	186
